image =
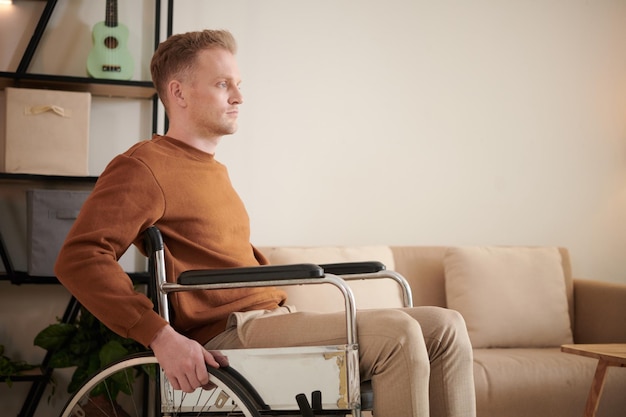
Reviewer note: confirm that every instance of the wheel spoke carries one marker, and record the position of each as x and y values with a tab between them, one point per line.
112	393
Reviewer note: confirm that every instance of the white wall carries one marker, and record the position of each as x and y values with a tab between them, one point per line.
420	122
400	121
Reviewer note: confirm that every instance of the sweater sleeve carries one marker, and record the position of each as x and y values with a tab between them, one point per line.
124	202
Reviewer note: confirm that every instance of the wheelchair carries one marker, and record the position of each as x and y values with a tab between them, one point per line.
289	381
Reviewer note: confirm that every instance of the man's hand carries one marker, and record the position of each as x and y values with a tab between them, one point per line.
184	360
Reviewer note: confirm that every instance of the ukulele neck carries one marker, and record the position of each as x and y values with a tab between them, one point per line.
111	13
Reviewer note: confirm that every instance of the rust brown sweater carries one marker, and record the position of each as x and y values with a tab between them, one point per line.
188	195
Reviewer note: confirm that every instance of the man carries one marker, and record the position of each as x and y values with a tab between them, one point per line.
174	182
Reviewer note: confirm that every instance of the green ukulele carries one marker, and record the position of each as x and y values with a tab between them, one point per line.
109	57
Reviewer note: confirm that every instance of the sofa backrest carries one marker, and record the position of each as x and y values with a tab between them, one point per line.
326	298
423	267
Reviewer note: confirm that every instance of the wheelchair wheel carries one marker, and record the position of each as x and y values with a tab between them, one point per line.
119	390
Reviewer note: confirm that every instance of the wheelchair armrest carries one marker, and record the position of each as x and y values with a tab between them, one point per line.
244	276
351	271
249	274
350	268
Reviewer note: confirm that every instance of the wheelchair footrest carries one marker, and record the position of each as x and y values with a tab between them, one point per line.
303	404
315	409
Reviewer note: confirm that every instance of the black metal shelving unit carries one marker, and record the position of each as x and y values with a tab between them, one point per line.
98	87
39	378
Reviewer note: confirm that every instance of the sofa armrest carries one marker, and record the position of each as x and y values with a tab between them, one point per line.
600	311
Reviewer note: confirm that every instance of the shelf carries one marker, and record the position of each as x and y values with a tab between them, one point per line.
30	375
97	87
21	78
19	277
46	178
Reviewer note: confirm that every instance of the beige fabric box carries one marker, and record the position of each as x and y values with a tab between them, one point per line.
46	132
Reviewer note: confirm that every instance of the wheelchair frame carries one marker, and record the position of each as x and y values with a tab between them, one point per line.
234	387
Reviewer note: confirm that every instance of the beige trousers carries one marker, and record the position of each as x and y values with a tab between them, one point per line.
418	359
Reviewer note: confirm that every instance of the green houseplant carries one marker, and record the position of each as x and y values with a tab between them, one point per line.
89	346
10	367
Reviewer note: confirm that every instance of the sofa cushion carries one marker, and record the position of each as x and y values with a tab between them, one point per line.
326	298
509	296
541	382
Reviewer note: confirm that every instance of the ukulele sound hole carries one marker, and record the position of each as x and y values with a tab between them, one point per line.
111	42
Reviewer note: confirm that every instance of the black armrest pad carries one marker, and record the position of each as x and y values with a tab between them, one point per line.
252	273
349	268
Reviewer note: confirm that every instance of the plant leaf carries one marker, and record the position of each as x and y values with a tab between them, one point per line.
111	352
85	369
62	359
123	381
78	377
55	336
81	344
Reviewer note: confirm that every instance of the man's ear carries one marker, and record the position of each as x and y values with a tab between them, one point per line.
176	93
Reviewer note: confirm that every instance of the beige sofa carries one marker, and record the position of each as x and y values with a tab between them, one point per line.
520	305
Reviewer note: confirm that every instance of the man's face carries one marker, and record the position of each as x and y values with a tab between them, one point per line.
212	93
